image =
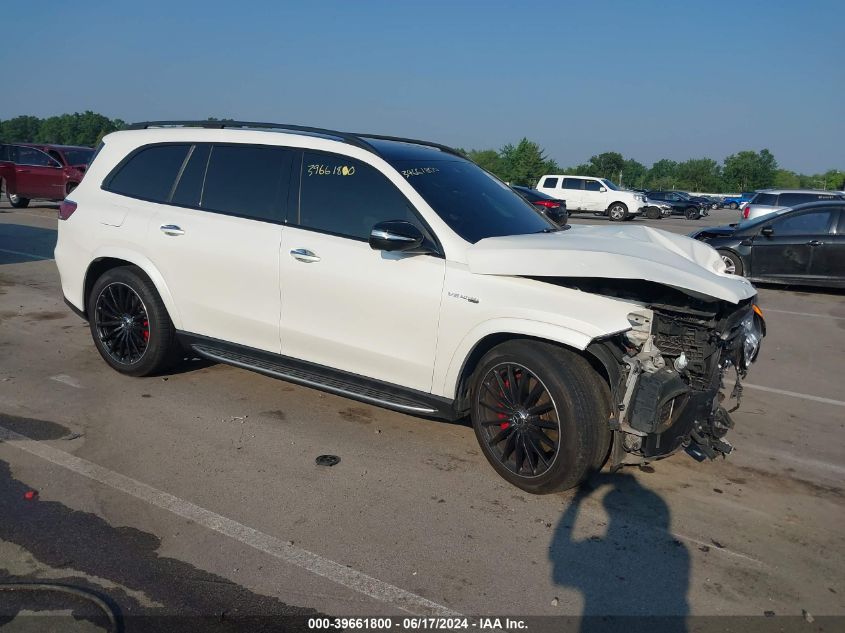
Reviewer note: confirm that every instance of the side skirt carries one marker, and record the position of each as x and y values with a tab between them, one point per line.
334	381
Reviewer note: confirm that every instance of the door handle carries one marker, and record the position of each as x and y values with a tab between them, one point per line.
23	171
171	229
304	255
815	243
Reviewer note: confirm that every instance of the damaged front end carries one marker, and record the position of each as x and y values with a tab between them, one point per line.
678	375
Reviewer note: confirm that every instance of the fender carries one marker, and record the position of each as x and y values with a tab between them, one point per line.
448	385
142	262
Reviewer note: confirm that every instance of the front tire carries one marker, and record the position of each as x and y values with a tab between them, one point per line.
733	206
540	415
617	212
653	213
692	213
129	323
733	264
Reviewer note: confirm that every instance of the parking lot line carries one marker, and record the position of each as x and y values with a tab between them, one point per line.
807	314
795	394
271	545
20	254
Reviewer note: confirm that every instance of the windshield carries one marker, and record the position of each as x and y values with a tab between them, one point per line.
683	195
473	203
80	156
612	185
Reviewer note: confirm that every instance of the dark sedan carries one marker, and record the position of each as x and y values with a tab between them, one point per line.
691	207
552	208
801	245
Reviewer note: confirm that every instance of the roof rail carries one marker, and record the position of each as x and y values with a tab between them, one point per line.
343	136
358	140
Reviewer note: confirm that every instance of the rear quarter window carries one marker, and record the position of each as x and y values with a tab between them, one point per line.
149	174
791	199
767	199
550	183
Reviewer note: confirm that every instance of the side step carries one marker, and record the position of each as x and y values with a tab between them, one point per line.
327	379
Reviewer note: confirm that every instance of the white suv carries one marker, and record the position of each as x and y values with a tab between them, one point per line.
598	195
398	273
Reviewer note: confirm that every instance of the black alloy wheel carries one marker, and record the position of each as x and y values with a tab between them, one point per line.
122	323
523	429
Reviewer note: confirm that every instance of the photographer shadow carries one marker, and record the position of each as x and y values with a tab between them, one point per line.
635	576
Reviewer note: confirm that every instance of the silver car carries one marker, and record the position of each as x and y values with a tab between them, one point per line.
768	201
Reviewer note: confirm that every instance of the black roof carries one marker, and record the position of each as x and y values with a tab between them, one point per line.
388	147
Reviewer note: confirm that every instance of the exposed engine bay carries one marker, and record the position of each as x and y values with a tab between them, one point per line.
676	375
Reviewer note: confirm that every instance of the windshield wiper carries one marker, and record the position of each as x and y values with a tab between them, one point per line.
556	229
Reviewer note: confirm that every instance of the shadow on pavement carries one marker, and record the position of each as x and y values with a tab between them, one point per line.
21	243
178	596
636	570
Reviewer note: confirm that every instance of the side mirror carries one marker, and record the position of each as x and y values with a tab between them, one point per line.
395	235
767	231
602	189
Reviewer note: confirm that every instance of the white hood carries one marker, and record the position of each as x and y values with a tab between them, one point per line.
623	252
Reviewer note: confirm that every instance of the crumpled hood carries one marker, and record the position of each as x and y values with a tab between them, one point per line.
623	252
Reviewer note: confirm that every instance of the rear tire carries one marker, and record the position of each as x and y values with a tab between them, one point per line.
129	323
545	434
733	264
17	201
617	212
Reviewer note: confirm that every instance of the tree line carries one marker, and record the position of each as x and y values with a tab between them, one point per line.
525	162
520	164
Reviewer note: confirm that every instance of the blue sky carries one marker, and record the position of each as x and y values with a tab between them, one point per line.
649	79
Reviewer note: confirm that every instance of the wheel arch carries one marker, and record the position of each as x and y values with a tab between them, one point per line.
105	261
746	260
459	384
624	204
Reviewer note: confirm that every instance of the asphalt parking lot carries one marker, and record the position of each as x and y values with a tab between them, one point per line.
197	494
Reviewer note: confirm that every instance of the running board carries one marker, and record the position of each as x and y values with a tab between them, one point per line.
325	379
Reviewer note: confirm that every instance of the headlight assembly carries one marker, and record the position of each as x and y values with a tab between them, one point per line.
751	337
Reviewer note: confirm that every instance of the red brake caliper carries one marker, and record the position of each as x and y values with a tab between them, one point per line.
146	331
504	425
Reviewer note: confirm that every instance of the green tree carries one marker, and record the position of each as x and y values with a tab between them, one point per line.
607	165
785	179
21	129
749	170
634	174
525	163
663	174
699	174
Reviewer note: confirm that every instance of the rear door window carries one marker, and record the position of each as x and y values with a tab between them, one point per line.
791	199
550	183
767	199
189	189
248	181
573	183
347	197
150	173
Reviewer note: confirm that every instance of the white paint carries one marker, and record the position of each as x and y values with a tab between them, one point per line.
271	545
67	380
795	394
805	314
21	254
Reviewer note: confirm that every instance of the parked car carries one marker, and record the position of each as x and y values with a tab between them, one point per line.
554	209
656	210
48	172
804	244
681	203
399	273
768	200
597	195
733	202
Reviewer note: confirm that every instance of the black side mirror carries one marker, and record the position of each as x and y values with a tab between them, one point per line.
395	235
767	231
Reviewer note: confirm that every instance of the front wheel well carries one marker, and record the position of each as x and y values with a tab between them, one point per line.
96	270
462	400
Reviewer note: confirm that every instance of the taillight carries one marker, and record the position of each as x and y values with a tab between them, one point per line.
66	209
745	212
549	204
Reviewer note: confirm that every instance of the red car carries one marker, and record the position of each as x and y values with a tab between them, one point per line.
48	172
